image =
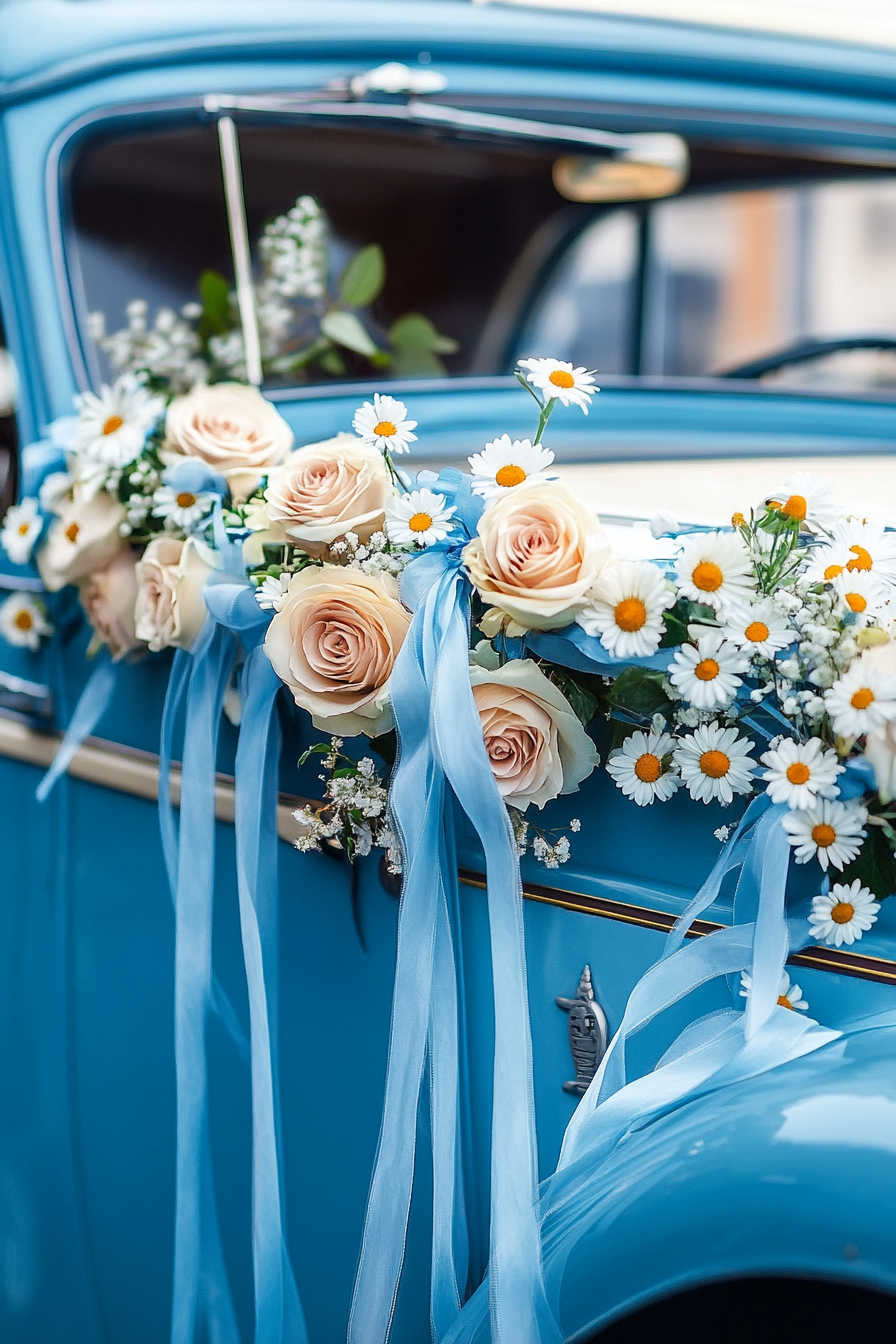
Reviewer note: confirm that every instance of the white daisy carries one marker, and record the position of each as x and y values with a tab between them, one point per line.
112	429
420	517
556	378
384	425
809	499
800	772
857	546
502	465
759	628
270	594
643	769
23	621
844	914
862	593
182	508
21	529
789	996
862	699
831	832
715	763
706	672
714	568
625	608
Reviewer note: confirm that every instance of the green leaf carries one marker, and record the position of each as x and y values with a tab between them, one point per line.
582	703
875	865
676	629
640	691
418	344
346	330
217	314
332	362
363	278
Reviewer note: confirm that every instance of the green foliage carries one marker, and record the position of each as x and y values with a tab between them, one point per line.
346	330
875	865
676	623
639	690
386	746
417	345
581	701
363	278
217	314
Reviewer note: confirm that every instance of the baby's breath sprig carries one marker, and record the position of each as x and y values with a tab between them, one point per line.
549	847
353	816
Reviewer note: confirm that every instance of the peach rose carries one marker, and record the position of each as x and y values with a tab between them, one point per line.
170	609
537	554
84	538
233	429
535	744
109	596
327	489
334	644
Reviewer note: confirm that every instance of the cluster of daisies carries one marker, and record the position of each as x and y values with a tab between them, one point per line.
785	680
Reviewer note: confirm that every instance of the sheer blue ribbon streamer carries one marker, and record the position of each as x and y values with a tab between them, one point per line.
441	748
92	705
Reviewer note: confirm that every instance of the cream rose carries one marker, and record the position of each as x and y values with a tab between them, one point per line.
537	554
84	538
230	427
536	746
170	609
334	644
109	596
327	489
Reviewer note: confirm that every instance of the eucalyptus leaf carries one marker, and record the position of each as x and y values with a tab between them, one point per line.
363	278
346	330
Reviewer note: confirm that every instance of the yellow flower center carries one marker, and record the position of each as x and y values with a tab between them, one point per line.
833	571
774	504
420	522
855	601
114	422
630	614
737	520
385	429
862	698
72	532
23	620
862	559
798	773
795	507
23	529
707	576
784	1002
823	835
185	500
715	764
648	768
510	475
842	912
756	632
707	670
560	378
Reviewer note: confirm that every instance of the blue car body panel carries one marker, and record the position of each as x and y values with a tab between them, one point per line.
748	1182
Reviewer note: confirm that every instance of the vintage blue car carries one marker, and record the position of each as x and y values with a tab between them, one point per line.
707	216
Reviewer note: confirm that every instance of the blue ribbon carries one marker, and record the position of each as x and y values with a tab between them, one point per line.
92	705
442	751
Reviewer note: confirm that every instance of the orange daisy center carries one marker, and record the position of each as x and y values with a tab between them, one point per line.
855	601
385	429
823	835
795	507
862	559
23	620
842	912
707	670
715	764
114	422
420	522
756	632
784	1002
185	500
862	698
833	571
630	614
707	576
648	768
510	475
72	532
560	378
798	773
23	529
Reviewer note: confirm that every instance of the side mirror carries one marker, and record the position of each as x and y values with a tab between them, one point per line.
650	166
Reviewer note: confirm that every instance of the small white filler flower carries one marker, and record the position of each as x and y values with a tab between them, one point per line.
706	672
504	464
715	763
642	768
800	772
556	378
23	621
421	517
625	608
831	832
21	529
385	425
759	629
844	914
715	568
789	996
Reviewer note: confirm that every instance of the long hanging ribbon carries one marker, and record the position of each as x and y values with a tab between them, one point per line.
92	705
441	744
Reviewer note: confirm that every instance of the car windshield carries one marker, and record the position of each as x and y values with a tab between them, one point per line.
380	252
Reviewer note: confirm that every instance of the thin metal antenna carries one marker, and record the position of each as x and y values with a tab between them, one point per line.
239	246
